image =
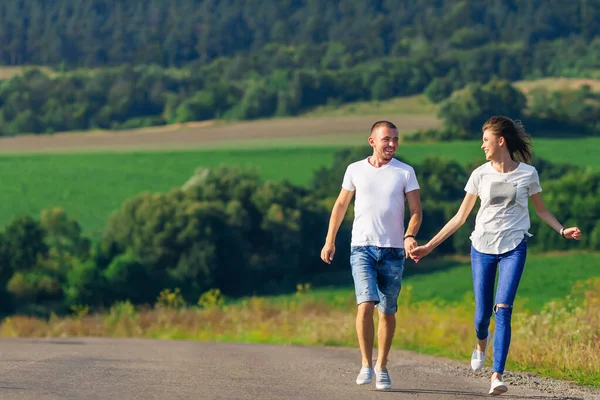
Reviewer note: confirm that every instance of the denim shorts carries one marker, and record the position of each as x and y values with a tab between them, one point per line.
377	274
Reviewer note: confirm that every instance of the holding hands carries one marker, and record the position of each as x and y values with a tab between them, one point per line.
410	243
418	252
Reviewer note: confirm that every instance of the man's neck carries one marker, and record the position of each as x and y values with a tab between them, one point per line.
378	162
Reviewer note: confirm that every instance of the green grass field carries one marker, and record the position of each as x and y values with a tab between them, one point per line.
89	186
410	105
547	277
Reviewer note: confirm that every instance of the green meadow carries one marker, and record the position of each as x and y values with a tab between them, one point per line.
547	277
90	185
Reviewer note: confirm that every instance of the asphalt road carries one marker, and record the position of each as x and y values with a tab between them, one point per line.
96	368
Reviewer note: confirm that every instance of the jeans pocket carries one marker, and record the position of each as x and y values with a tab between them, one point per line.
356	249
399	253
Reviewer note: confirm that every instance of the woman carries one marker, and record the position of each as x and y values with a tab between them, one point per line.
504	185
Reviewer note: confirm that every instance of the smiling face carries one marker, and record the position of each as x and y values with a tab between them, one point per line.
491	145
384	141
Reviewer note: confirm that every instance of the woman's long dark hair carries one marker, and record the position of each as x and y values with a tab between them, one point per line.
517	139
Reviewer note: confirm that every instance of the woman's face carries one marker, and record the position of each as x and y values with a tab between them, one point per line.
491	145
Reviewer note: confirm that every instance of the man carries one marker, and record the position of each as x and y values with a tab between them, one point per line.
382	184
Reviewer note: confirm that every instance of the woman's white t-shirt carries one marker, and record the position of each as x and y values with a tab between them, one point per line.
503	218
379	201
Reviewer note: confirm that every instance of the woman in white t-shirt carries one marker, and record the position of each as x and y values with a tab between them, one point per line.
498	241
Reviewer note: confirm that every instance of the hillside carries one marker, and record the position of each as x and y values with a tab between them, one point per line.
326	34
123	65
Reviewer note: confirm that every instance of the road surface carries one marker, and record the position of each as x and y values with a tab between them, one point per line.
116	369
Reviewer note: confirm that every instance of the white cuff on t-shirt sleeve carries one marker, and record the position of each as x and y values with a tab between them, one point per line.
533	191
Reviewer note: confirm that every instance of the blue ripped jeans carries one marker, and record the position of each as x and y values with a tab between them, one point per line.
484	268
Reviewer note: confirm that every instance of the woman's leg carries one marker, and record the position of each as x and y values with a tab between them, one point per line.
511	270
484	275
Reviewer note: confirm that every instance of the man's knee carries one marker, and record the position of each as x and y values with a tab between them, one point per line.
366	308
388	317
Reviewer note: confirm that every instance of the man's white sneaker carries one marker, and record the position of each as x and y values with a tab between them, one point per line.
365	376
478	357
382	380
498	387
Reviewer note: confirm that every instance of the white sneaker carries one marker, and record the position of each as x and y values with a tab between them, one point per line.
382	380
498	387
365	376
478	357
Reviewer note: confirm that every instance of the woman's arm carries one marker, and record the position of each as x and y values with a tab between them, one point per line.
546	216
451	226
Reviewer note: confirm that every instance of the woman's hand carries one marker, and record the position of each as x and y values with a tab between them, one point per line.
572	233
419	252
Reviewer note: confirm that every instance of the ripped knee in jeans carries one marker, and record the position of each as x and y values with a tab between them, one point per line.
501	305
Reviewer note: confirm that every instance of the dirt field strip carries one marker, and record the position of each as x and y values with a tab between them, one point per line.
197	135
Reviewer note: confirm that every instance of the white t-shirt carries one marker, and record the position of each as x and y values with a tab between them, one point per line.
503	218
379	201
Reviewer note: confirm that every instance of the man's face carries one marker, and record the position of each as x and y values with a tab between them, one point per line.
385	142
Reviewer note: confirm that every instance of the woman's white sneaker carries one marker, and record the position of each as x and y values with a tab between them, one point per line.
498	387
478	357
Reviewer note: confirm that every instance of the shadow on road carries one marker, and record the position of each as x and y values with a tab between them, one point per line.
473	394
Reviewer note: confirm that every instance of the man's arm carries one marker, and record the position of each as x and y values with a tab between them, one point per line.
337	216
416	217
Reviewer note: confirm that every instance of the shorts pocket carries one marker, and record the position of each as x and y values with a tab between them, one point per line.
399	253
355	249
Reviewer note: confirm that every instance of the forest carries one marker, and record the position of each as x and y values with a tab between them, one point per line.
120	65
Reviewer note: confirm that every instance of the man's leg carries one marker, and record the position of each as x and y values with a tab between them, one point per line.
365	330
364	275
385	334
389	282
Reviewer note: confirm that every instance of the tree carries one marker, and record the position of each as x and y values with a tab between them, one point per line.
468	109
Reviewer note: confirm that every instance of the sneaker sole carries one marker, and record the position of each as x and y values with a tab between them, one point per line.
364	382
476	368
499	390
379	386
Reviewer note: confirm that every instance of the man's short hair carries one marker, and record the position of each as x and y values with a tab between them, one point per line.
385	124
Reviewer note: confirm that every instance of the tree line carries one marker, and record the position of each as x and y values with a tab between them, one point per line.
570	112
98	33
131	64
228	229
128	97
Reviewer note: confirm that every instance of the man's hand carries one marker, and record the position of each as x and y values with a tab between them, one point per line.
420	252
327	252
410	244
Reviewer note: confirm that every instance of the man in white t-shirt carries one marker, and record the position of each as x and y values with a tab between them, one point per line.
382	184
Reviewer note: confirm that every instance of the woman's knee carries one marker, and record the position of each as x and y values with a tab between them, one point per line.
503	312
